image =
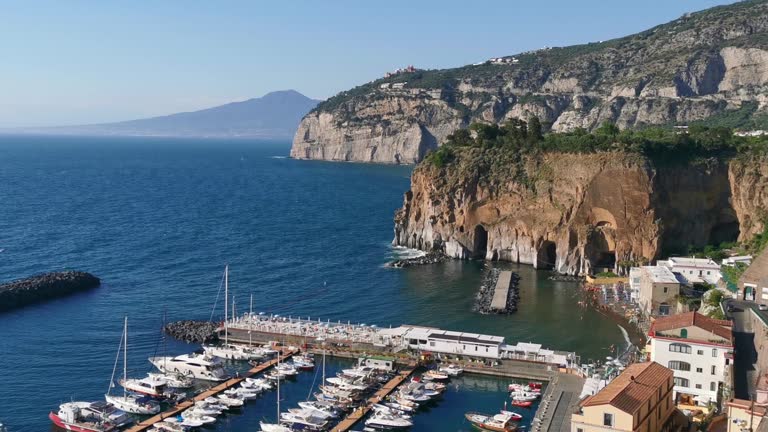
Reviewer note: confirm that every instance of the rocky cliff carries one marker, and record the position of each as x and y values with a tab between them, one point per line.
710	64
578	212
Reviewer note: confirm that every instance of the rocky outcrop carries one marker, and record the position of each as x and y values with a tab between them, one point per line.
43	287
577	212
701	65
191	331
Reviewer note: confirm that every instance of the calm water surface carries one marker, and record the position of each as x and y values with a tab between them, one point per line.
157	219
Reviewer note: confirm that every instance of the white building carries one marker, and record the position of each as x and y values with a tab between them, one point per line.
699	351
732	261
693	270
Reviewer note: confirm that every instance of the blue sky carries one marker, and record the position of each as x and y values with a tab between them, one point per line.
76	62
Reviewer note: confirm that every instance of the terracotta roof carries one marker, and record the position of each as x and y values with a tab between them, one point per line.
690	319
634	387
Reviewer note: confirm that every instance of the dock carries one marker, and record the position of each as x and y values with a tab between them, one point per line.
501	291
213	391
558	402
356	415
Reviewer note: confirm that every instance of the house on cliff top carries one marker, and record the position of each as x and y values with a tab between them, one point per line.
753	283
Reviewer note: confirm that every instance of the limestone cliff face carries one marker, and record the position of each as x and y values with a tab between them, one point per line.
749	185
577	212
699	66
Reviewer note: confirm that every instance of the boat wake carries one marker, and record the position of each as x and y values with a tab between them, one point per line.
278	157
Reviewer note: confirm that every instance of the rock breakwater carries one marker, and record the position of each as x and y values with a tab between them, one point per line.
484	296
43	287
192	331
429	258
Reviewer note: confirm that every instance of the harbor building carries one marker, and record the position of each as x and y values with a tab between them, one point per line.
693	270
638	400
657	289
699	351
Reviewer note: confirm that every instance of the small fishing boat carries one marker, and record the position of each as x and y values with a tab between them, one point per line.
230	401
522	404
433	375
89	417
451	370
303	362
498	423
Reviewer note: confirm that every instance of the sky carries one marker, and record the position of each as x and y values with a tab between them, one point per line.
81	62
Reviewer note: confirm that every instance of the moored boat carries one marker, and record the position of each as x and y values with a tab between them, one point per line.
501	422
89	417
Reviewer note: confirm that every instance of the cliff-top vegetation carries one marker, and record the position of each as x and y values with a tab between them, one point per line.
662	145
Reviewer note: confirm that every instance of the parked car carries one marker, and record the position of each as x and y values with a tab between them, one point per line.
762	307
730	308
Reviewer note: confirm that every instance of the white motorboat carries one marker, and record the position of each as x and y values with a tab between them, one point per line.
321	410
204	408
173	379
89	417
229	352
379	408
358	372
451	370
304	420
231	401
215	403
431	375
523	396
165	426
153	385
242	393
287	369
346	384
502	422
198	366
261	383
303	362
197	415
387	421
129	402
274	427
399	407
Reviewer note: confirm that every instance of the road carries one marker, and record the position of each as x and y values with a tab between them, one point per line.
745	371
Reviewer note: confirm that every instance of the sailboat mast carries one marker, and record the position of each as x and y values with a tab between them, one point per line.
226	303
125	356
278	385
250	321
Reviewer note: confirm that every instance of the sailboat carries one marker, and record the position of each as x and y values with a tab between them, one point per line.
227	350
129	402
275	427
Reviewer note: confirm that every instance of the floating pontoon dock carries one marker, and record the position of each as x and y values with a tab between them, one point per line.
178	408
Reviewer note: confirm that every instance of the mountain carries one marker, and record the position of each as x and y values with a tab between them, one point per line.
709	65
275	115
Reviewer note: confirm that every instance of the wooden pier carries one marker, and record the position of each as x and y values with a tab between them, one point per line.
501	292
213	391
356	415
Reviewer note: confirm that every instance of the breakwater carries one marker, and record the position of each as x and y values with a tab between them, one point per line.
506	302
43	287
192	331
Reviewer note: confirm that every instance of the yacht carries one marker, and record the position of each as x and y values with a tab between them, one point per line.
89	417
502	422
273	427
319	409
195	365
452	370
172	379
304	420
388	421
152	385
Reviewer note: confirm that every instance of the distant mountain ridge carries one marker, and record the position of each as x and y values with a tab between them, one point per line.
708	66
274	115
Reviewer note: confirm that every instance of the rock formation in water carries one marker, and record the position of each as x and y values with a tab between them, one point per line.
579	212
711	64
43	287
192	331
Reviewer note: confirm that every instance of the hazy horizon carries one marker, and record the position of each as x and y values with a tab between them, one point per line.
92	62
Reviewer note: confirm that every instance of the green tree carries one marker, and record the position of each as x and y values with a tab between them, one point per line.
609	129
535	133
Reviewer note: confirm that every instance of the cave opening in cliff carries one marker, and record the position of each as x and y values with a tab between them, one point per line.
547	255
602	250
481	242
724	232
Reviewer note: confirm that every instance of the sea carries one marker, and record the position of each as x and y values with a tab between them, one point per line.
157	219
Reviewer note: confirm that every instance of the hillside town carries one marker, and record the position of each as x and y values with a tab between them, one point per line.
705	359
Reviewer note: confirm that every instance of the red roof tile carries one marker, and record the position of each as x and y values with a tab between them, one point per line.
693	319
634	387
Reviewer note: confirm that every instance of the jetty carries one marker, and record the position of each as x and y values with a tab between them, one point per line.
44	287
501	292
356	415
213	391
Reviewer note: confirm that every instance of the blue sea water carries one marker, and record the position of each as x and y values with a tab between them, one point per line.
157	220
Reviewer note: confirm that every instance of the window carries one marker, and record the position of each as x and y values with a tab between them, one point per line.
665	290
699	370
607	419
432	343
713	386
680	348
700	352
714	370
475	347
714	352
681	382
684	333
698	386
663	309
679	365
579	430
